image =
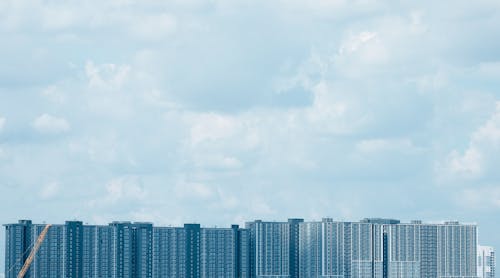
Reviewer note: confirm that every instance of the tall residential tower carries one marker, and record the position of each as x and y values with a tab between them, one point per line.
485	262
370	248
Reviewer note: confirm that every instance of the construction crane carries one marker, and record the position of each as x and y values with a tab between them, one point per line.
32	255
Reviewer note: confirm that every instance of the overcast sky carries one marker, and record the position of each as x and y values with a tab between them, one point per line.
223	111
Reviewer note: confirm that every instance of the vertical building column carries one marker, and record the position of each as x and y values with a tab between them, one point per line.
73	249
385	252
142	254
192	250
294	246
243	253
122	250
17	243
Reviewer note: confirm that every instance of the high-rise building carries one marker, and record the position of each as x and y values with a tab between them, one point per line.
243	258
485	262
142	258
122	249
50	259
321	249
169	252
371	248
457	250
365	250
193	251
403	259
89	249
132	249
270	243
103	251
386	248
17	246
193	245
294	246
428	250
218	253
73	248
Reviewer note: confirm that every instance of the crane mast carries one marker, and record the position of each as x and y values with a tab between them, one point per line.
33	252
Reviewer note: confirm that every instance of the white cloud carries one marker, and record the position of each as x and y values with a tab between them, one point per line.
59	17
158	99
227	201
467	165
154	27
54	94
481	154
194	190
361	54
489	133
334	111
2	123
125	188
46	123
122	194
217	161
381	145
50	190
329	8
106	148
480	198
211	127
106	76
355	42
262	208
2	153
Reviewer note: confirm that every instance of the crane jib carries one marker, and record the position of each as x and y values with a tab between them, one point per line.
33	252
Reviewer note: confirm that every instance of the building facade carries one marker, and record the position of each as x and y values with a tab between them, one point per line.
456	246
243	252
50	259
218	255
485	262
169	252
17	243
374	248
270	249
340	249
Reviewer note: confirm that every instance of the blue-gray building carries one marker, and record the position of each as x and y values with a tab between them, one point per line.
340	249
270	249
50	259
132	249
218	253
142	257
243	245
169	252
387	248
375	248
122	249
17	243
192	250
103	253
294	246
73	249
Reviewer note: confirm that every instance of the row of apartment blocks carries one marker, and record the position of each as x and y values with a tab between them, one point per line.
369	248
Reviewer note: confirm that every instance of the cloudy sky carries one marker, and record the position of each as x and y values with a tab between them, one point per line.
222	111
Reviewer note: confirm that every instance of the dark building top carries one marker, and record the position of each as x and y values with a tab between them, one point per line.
380	221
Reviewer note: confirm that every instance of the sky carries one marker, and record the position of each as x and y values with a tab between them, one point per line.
223	111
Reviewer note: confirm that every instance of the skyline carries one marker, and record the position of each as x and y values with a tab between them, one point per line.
217	111
371	247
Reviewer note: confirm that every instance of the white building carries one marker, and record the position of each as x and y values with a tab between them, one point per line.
485	262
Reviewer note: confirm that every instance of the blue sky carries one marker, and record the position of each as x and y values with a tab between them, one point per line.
223	111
